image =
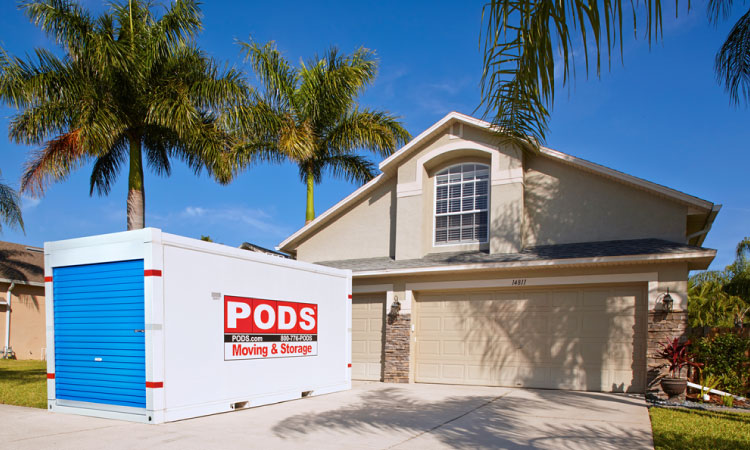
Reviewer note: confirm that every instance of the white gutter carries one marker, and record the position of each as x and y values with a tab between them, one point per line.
706	227
25	283
7	318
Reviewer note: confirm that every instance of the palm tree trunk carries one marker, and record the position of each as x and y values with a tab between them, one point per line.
310	212
136	197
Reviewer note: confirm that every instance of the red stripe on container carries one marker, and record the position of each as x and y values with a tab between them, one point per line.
48	279
50	376
349	365
152	273
154	384
350	296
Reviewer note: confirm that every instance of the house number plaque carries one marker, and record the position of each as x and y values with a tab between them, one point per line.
518	282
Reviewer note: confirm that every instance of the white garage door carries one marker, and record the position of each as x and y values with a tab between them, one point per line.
367	336
581	339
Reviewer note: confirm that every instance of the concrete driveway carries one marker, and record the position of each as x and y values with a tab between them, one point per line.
372	416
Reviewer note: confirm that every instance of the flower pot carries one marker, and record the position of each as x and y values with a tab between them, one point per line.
673	386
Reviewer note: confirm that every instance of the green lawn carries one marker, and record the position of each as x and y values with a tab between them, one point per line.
682	428
23	383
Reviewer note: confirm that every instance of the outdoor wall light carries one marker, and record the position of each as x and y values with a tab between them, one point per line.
395	308
667	302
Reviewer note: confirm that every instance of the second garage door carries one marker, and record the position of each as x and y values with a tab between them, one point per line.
368	312
580	339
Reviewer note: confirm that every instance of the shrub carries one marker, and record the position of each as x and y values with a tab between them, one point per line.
726	356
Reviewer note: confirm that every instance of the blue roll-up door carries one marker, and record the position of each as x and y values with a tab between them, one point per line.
100	351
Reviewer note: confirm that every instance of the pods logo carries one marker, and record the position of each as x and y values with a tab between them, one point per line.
258	328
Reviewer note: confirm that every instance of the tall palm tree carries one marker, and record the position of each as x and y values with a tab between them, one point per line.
10	211
131	88
309	115
524	41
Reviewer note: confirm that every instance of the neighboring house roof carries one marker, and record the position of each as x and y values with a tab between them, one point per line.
636	250
390	163
259	249
21	263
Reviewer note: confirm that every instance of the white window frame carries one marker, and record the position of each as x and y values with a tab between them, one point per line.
434	207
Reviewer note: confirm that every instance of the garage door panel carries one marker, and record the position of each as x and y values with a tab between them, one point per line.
367	336
453	348
574	338
430	324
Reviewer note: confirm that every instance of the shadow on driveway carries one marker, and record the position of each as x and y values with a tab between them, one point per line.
507	418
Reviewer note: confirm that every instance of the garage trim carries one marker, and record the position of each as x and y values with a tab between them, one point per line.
375	288
651	277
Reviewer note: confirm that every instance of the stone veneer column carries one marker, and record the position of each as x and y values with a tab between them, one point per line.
397	335
661	327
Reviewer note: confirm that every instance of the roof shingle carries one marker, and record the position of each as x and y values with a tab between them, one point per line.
21	263
537	253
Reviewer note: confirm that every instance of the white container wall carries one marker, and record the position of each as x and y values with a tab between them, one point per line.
153	327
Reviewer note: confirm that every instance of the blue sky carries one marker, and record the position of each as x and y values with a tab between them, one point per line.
660	116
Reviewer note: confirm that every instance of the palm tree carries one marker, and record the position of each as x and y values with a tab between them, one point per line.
722	298
131	88
10	211
309	115
522	39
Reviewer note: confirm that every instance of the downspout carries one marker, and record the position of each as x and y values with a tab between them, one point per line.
7	318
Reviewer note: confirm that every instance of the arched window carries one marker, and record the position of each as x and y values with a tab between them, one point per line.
461	203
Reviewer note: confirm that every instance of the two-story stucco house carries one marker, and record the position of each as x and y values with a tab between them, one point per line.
475	263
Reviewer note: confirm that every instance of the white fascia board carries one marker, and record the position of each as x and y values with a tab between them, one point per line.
332	210
709	224
608	260
593	167
629	179
429	132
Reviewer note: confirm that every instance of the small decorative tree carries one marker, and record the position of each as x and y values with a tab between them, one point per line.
677	356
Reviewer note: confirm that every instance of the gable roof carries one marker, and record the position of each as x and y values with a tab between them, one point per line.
388	165
21	263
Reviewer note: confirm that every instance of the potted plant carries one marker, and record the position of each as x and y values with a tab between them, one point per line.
677	356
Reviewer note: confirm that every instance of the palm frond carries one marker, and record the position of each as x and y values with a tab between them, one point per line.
352	168
10	206
181	22
717	10
278	78
519	41
54	162
733	61
107	167
65	21
377	131
330	85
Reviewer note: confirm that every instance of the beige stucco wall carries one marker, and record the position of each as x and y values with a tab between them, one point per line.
667	275
534	200
672	275
366	230
564	204
415	213
27	321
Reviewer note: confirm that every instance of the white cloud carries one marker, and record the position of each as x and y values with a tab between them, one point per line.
194	211
28	203
249	219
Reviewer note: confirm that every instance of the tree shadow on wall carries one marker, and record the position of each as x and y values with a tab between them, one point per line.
554	337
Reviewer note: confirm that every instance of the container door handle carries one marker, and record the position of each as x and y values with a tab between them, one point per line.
139	331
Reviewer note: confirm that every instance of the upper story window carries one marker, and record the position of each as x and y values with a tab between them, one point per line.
461	202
